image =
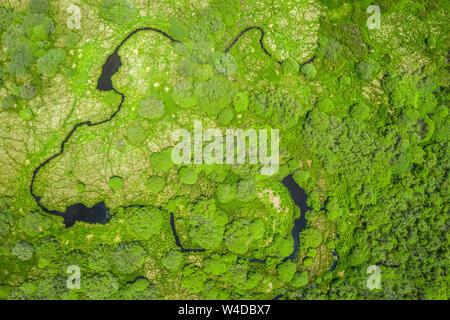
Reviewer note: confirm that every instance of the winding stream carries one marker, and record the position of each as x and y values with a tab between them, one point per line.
99	213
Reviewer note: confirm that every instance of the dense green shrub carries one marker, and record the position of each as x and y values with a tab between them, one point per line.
162	161
280	107
8	102
240	234
333	209
136	134
117	11
290	66
39	6
310	238
184	94
359	111
116	183
309	71
286	109
45	288
145	222
332	49
6	220
129	257
6	18
283	246
49	63
100	286
365	70
187	175
173	260
27	91
245	190
177	29
34	223
215	95
218	264
193	278
325	105
100	259
207	224
213	291
48	251
286	270
241	278
155	184
139	289
240	102
225	64
23	251
225	116
300	279
151	108
21	58
225	193
74	258
260	105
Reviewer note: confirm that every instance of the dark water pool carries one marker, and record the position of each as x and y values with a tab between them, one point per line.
299	197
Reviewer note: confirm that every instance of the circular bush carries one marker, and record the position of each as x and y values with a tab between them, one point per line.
80	187
365	70
300	279
100	286
155	184
26	114
344	80
162	161
290	66
27	91
116	183
100	258
183	94
225	117
136	134
225	64
225	193
359	111
8	102
145	222
173	260
309	71
431	42
325	105
240	102
117	11
129	257
286	270
23	251
187	176
151	108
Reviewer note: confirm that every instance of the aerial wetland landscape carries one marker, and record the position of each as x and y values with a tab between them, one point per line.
224	150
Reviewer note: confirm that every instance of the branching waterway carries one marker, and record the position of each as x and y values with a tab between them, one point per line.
99	213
